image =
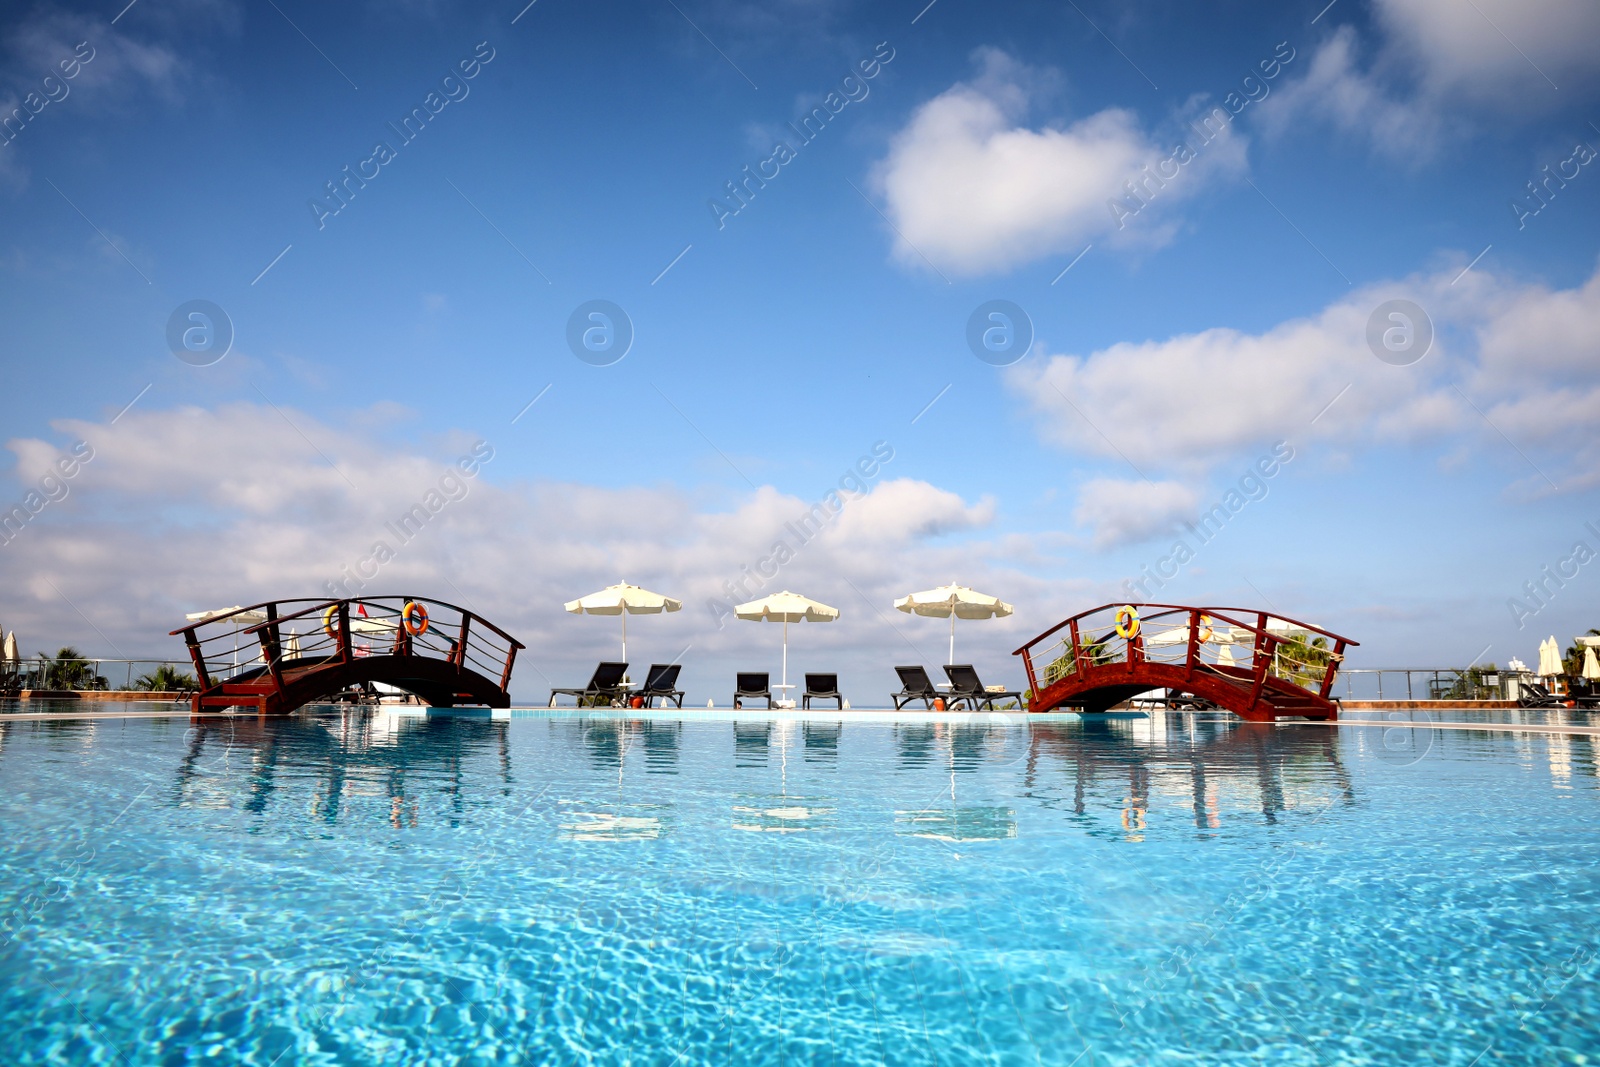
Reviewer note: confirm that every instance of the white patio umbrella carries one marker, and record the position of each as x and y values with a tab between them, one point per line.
1591	666
238	622
291	645
623	599
242	619
785	607
953	602
9	652
1549	658
1221	634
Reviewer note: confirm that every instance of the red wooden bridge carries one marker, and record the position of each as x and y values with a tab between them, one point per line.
1261	667
277	656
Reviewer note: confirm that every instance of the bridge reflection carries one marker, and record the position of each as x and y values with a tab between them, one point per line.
948	781
335	758
1210	766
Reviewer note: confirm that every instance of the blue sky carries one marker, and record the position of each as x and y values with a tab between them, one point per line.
977	163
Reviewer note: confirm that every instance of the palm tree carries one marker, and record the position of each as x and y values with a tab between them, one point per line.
1092	652
1303	660
1573	664
165	679
68	669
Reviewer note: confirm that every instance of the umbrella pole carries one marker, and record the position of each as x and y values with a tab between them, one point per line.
786	658
952	658
624	635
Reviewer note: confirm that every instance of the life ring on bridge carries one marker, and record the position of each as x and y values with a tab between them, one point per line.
415	617
1206	632
330	621
1127	622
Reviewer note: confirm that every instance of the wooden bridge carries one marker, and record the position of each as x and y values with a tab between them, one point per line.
277	656
1261	667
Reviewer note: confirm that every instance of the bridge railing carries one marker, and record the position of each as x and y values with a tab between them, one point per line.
282	635
1242	644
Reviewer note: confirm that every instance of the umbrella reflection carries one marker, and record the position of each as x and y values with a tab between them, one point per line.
783	814
977	823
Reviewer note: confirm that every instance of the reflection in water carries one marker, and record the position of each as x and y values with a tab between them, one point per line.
608	740
1208	764
751	743
604	738
958	824
822	742
59	734
969	745
783	814
630	824
915	744
661	746
358	753
1119	776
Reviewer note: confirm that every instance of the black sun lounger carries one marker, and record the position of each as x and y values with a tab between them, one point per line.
967	688
823	687
748	685
1534	695
662	681
604	689
915	685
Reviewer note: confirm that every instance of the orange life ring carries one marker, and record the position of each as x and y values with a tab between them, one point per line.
1206	632
415	617
1127	622
330	621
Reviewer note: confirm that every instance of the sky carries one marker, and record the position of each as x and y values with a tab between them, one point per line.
1016	292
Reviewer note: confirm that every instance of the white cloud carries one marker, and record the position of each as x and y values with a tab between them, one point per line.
1542	334
1487	48
973	190
1354	101
1121	511
1431	57
901	511
185	509
1192	403
112	71
36	48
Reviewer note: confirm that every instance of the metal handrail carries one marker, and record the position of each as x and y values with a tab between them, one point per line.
38	666
1469	680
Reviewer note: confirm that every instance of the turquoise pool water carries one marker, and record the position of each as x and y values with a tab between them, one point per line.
355	888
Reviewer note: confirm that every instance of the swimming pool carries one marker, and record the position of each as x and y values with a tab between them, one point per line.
359	887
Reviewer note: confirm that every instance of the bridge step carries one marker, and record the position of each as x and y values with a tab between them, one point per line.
253	693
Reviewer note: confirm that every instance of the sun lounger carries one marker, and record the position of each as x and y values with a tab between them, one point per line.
751	686
603	690
914	685
1584	693
822	687
1534	695
662	681
967	688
